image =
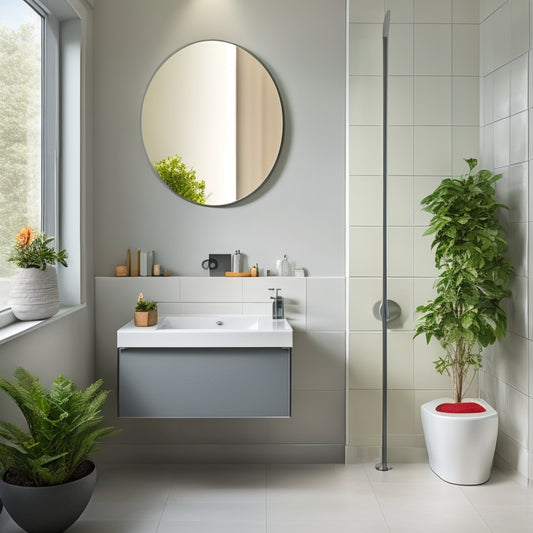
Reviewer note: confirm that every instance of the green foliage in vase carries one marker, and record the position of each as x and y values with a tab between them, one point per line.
35	251
182	180
63	428
474	273
145	305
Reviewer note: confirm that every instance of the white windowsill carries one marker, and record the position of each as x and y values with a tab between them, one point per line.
18	328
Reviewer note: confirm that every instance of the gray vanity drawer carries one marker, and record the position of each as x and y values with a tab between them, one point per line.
204	382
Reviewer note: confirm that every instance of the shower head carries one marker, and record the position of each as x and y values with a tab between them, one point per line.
386	25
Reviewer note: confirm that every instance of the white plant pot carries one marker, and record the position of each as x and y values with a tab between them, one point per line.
460	446
35	294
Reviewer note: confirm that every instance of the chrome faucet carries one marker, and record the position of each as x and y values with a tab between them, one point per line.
278	305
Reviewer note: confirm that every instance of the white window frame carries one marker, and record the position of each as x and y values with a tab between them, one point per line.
50	130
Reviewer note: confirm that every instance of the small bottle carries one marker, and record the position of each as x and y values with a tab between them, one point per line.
254	271
284	268
236	261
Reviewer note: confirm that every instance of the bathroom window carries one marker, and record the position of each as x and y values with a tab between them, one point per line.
28	128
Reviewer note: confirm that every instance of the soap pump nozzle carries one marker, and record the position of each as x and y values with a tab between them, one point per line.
278	307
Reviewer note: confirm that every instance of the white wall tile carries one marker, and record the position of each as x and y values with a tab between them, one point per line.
517	237
366	148
501	80
365	54
487	145
519	27
519	83
319	361
400	251
433	11
400	359
401	54
401	409
465	145
517	306
519	138
433	150
401	10
367	11
400	290
486	54
366	100
487	99
500	33
518	417
510	361
501	147
400	112
212	289
465	101
465	49
400	150
433	100
364	293
364	415
365	251
433	46
518	193
466	11
365	360
530	77
365	200
400	200
326	304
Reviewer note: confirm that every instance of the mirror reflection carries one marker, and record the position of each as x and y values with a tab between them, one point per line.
212	123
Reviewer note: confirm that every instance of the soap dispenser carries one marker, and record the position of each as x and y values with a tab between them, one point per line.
236	261
284	267
278	306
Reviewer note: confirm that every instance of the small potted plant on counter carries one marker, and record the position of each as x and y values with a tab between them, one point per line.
464	318
47	478
145	312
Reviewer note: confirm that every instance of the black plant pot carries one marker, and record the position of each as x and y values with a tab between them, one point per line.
47	509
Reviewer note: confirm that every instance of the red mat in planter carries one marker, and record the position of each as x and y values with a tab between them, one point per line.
462	408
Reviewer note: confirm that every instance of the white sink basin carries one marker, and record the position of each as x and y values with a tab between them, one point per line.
208	331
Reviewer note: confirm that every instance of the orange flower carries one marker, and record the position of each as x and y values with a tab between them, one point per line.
25	236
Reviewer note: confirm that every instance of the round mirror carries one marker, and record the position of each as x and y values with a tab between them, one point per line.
212	123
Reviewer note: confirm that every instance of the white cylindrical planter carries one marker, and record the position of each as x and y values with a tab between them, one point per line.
35	294
460	446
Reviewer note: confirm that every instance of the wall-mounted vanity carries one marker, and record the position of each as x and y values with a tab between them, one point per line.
223	366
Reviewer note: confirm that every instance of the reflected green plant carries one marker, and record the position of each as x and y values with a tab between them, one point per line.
181	179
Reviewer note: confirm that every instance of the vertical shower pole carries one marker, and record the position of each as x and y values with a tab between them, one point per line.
384	301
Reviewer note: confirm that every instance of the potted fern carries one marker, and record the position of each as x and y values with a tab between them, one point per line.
145	312
47	476
464	317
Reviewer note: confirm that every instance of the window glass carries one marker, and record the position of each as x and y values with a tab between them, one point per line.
20	128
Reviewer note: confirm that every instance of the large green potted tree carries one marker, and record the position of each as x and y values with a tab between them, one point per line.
464	317
47	476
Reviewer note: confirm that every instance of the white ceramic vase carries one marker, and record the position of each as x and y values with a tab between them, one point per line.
35	294
460	446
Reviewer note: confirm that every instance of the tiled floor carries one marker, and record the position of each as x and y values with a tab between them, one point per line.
297	499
